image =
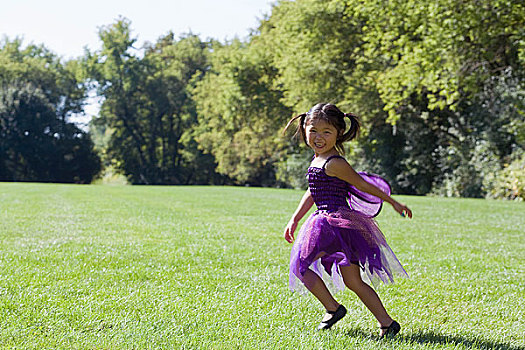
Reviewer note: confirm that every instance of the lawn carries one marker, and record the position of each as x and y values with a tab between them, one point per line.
139	267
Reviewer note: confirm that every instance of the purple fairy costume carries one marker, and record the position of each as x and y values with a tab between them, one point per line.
343	229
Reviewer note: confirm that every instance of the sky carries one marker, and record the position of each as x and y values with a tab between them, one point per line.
67	26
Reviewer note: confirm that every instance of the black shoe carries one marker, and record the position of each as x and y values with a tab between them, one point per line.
391	330
336	316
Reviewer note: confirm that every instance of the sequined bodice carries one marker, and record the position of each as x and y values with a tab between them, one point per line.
329	193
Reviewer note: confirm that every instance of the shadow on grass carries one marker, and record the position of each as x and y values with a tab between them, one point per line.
429	338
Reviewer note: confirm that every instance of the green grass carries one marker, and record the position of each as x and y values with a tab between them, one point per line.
122	267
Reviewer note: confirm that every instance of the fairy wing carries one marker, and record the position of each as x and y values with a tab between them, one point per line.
366	203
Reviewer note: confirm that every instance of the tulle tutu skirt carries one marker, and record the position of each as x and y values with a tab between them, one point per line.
342	237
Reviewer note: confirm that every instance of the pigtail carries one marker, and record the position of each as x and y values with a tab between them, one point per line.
354	127
299	131
332	115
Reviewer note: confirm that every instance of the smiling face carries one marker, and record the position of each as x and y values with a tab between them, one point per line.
321	136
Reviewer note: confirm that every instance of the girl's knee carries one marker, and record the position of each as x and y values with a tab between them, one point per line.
354	285
352	278
310	278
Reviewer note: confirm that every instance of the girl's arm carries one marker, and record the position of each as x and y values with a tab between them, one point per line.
306	203
340	168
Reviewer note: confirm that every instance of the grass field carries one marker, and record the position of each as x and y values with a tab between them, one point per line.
122	267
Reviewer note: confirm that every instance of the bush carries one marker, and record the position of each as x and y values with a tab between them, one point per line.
292	171
469	171
509	182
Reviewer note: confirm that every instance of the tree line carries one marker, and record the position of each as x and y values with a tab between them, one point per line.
438	87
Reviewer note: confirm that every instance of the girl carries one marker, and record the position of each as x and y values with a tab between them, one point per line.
341	237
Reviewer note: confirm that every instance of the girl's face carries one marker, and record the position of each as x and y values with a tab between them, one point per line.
321	136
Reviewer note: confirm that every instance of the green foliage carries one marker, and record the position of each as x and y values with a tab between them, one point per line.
313	44
443	49
38	95
240	113
111	177
438	86
292	171
147	112
447	76
509	182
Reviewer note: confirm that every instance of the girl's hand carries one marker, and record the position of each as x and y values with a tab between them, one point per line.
402	209
289	230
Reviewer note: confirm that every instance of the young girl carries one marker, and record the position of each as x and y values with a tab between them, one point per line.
341	237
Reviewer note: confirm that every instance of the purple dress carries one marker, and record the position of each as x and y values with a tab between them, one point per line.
344	231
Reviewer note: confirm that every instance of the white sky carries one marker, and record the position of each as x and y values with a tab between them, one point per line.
66	27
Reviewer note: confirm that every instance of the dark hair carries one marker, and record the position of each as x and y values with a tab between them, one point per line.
332	115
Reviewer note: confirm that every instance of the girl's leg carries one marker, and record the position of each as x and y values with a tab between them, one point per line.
316	286
352	279
334	311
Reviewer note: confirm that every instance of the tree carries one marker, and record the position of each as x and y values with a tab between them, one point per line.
147	108
240	113
38	94
421	76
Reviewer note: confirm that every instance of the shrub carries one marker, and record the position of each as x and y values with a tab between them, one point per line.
509	182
